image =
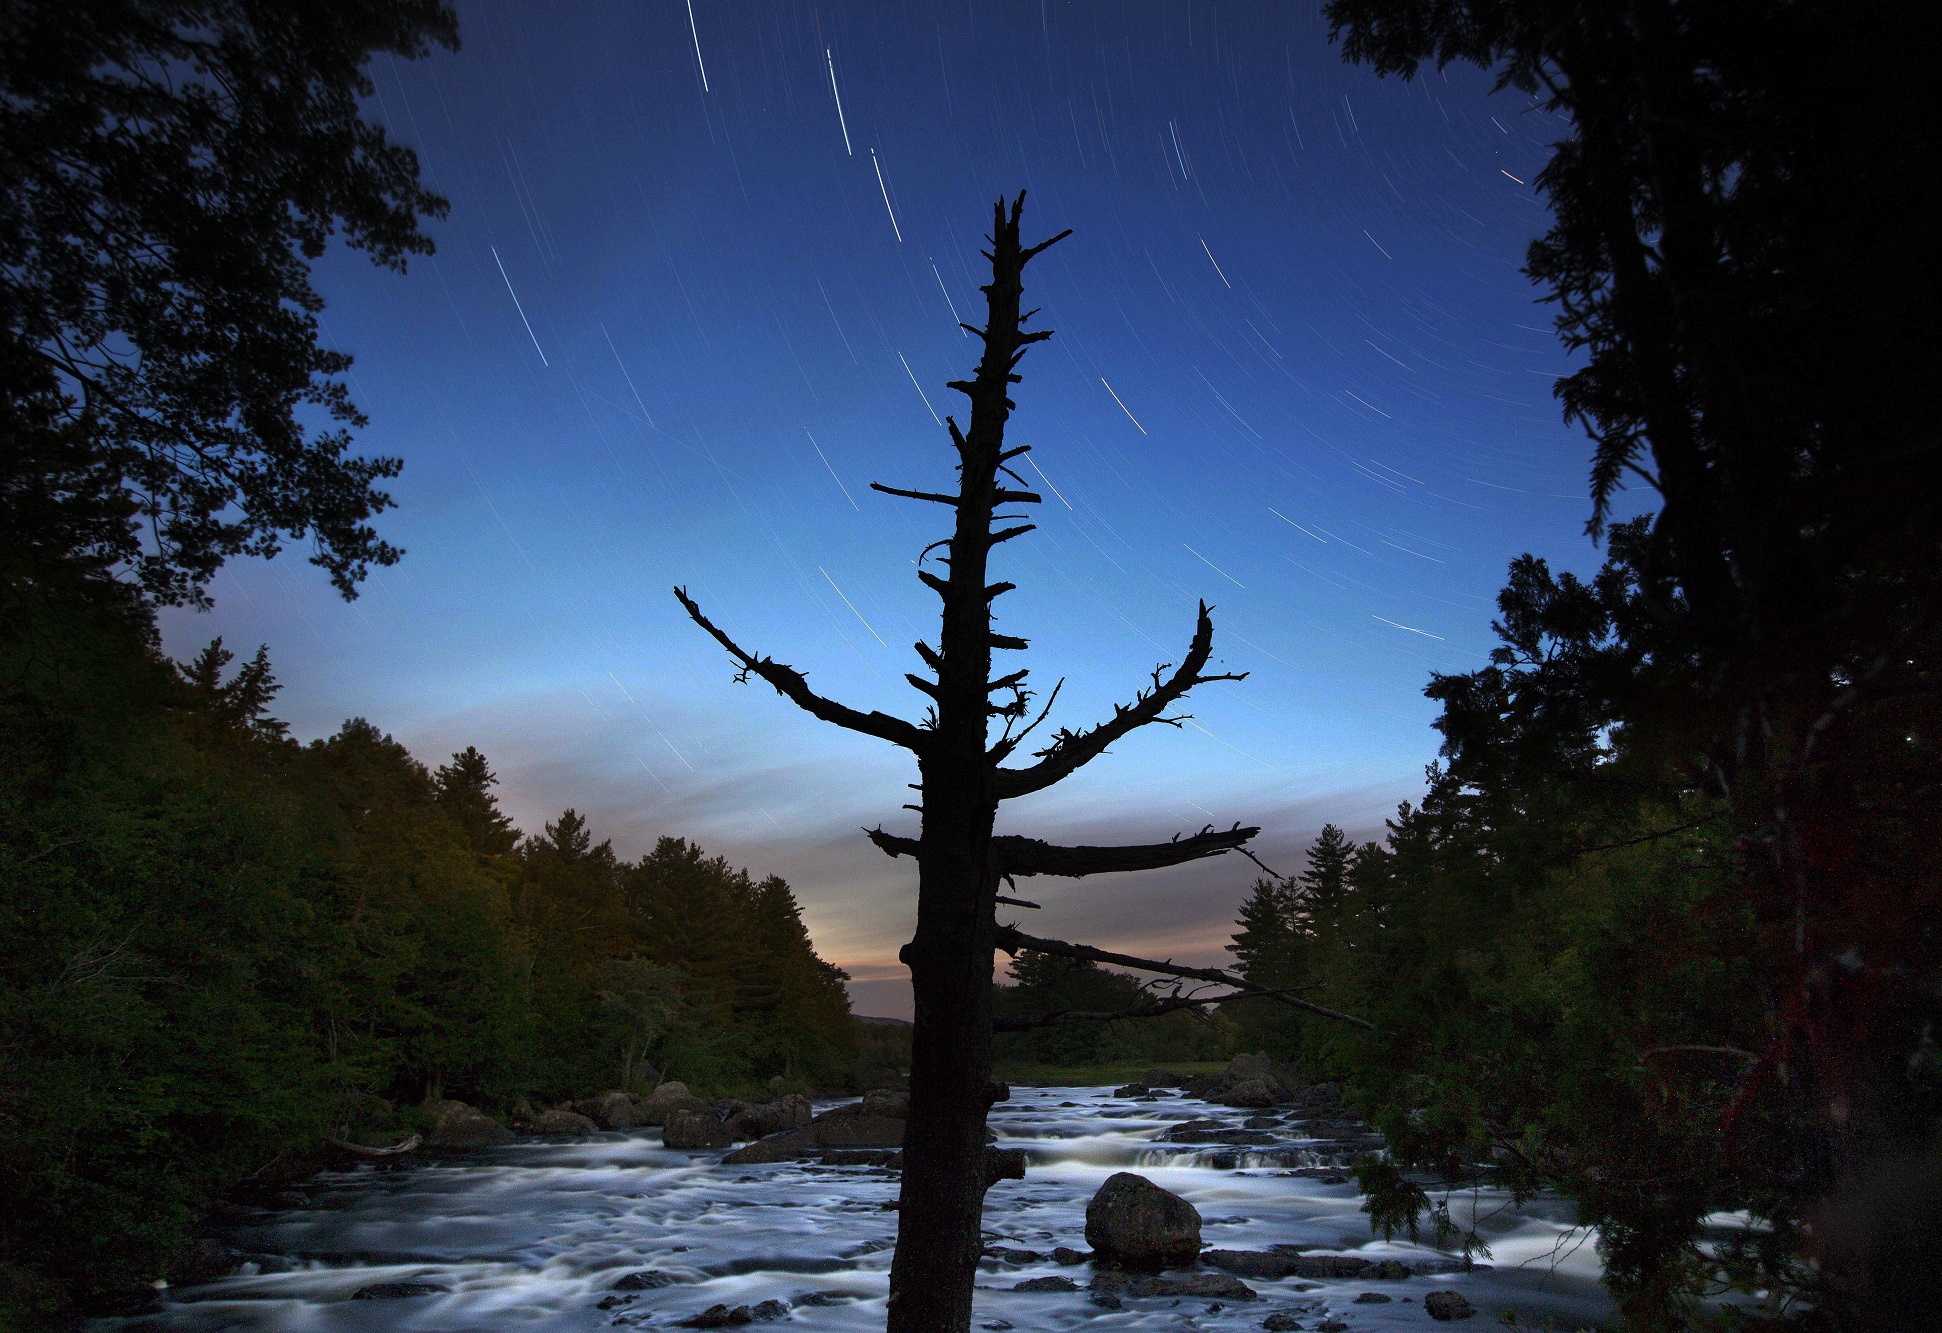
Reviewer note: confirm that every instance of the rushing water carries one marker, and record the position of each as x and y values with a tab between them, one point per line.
535	1235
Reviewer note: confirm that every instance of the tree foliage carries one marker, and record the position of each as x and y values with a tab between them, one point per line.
1743	720
168	170
216	945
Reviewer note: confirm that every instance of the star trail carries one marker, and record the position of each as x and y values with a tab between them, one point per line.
1297	373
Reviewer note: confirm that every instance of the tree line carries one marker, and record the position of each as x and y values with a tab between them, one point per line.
218	945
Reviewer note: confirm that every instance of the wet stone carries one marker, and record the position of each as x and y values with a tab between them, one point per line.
395	1291
645	1280
1448	1305
1054	1283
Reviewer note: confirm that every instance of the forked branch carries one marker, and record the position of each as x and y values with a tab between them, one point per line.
1012	940
791	685
1071	750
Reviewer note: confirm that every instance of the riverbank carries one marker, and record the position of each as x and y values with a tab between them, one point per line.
617	1229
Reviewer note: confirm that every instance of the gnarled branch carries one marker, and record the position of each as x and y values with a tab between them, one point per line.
791	685
1071	750
1012	940
1029	856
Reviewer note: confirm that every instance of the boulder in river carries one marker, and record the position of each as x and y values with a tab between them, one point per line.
1133	1221
1268	1266
665	1100
783	1147
727	1316
1191	1284
754	1120
696	1129
647	1279
611	1110
559	1120
461	1126
1253	1093
393	1291
1053	1283
890	1103
1448	1305
1132	1090
858	1131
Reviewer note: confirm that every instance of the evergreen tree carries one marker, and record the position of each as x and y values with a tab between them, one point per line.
1267	926
1740	208
465	794
1325	881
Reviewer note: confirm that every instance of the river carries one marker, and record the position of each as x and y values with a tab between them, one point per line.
535	1236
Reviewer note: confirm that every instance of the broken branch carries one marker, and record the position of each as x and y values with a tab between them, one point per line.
793	686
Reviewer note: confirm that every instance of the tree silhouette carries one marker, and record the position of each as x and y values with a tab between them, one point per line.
171	169
1742	211
961	863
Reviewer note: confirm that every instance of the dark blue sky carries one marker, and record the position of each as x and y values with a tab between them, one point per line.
673	331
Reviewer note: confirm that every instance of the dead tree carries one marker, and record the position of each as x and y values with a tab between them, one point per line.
960	863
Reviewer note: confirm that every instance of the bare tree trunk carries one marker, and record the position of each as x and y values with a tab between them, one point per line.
940	1232
947	1167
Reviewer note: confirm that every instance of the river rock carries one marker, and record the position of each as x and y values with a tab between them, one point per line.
1215	1131
559	1120
858	1131
889	1103
1133	1221
611	1110
1132	1090
461	1126
754	1120
664	1101
783	1147
1053	1283
726	1316
696	1129
1253	1263
1447	1305
1281	1322
647	1279
393	1291
1192	1284
1068	1256
1252	1093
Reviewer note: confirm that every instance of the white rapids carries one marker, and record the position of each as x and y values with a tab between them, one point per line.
536	1234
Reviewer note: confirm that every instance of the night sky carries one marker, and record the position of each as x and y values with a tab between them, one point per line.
699	287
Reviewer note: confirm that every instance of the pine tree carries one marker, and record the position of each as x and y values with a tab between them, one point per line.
1326	880
465	794
1266	925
